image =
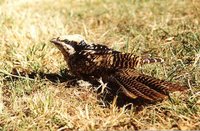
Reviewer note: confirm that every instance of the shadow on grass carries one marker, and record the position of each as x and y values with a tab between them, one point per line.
53	77
72	81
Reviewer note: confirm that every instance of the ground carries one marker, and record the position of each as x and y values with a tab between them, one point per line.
168	29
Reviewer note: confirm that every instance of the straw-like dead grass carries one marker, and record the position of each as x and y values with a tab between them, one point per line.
169	29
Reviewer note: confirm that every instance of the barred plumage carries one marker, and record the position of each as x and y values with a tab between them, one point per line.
144	86
97	61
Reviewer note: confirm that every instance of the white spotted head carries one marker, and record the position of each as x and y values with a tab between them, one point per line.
75	38
67	43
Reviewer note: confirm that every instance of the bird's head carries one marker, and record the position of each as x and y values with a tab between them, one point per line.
67	44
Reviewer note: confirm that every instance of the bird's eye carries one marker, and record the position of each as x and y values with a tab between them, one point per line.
65	41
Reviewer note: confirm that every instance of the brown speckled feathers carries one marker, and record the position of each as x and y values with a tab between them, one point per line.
118	60
97	61
135	84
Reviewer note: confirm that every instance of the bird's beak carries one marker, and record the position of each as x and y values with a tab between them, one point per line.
55	41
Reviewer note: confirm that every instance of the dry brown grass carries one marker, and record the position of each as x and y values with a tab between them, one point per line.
169	29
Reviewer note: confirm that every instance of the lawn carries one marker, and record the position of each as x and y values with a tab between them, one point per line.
168	29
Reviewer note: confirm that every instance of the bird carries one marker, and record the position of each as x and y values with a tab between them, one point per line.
94	61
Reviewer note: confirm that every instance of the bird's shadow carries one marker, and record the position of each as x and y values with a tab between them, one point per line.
65	77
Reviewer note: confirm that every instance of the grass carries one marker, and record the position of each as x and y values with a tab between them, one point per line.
168	29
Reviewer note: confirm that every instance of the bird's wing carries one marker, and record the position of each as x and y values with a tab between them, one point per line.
135	84
109	58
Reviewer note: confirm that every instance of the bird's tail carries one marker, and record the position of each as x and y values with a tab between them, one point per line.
143	86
